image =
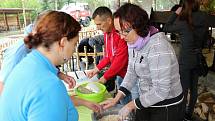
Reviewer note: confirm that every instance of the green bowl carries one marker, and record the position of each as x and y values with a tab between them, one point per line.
93	97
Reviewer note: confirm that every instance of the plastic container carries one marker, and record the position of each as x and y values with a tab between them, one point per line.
112	111
94	97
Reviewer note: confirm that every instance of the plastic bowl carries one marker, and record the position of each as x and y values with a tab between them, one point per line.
94	97
112	111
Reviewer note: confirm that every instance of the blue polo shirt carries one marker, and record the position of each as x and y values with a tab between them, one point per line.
33	92
13	55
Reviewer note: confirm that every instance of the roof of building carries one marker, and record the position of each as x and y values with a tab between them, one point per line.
14	10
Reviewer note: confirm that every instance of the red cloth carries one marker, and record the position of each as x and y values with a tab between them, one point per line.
116	54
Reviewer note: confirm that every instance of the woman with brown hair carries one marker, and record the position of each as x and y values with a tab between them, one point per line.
33	91
15	53
191	25
152	66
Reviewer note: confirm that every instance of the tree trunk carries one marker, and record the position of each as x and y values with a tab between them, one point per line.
24	16
56	4
118	4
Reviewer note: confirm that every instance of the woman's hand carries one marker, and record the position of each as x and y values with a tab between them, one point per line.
102	80
178	11
124	112
81	102
67	79
93	106
92	72
109	103
112	102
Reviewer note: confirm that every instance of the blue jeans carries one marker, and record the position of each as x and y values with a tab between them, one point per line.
134	92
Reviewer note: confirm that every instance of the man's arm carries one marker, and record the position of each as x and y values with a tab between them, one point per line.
171	26
120	60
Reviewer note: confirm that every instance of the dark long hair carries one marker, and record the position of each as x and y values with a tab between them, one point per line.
51	27
134	15
188	7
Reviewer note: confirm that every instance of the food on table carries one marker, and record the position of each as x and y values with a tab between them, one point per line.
110	118
93	87
84	90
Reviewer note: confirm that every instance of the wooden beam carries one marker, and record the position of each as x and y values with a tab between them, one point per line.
88	54
118	3
6	22
30	18
86	57
24	16
155	3
18	22
14	10
95	54
56	4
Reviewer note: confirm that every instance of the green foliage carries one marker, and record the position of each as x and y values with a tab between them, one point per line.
165	4
93	4
50	4
40	5
18	4
209	7
29	4
10	4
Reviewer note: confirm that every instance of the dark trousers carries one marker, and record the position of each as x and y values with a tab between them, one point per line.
169	113
213	65
189	82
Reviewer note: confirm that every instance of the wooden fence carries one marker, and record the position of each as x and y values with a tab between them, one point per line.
74	62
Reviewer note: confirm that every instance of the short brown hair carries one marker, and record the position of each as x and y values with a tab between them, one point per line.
102	11
51	27
134	15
